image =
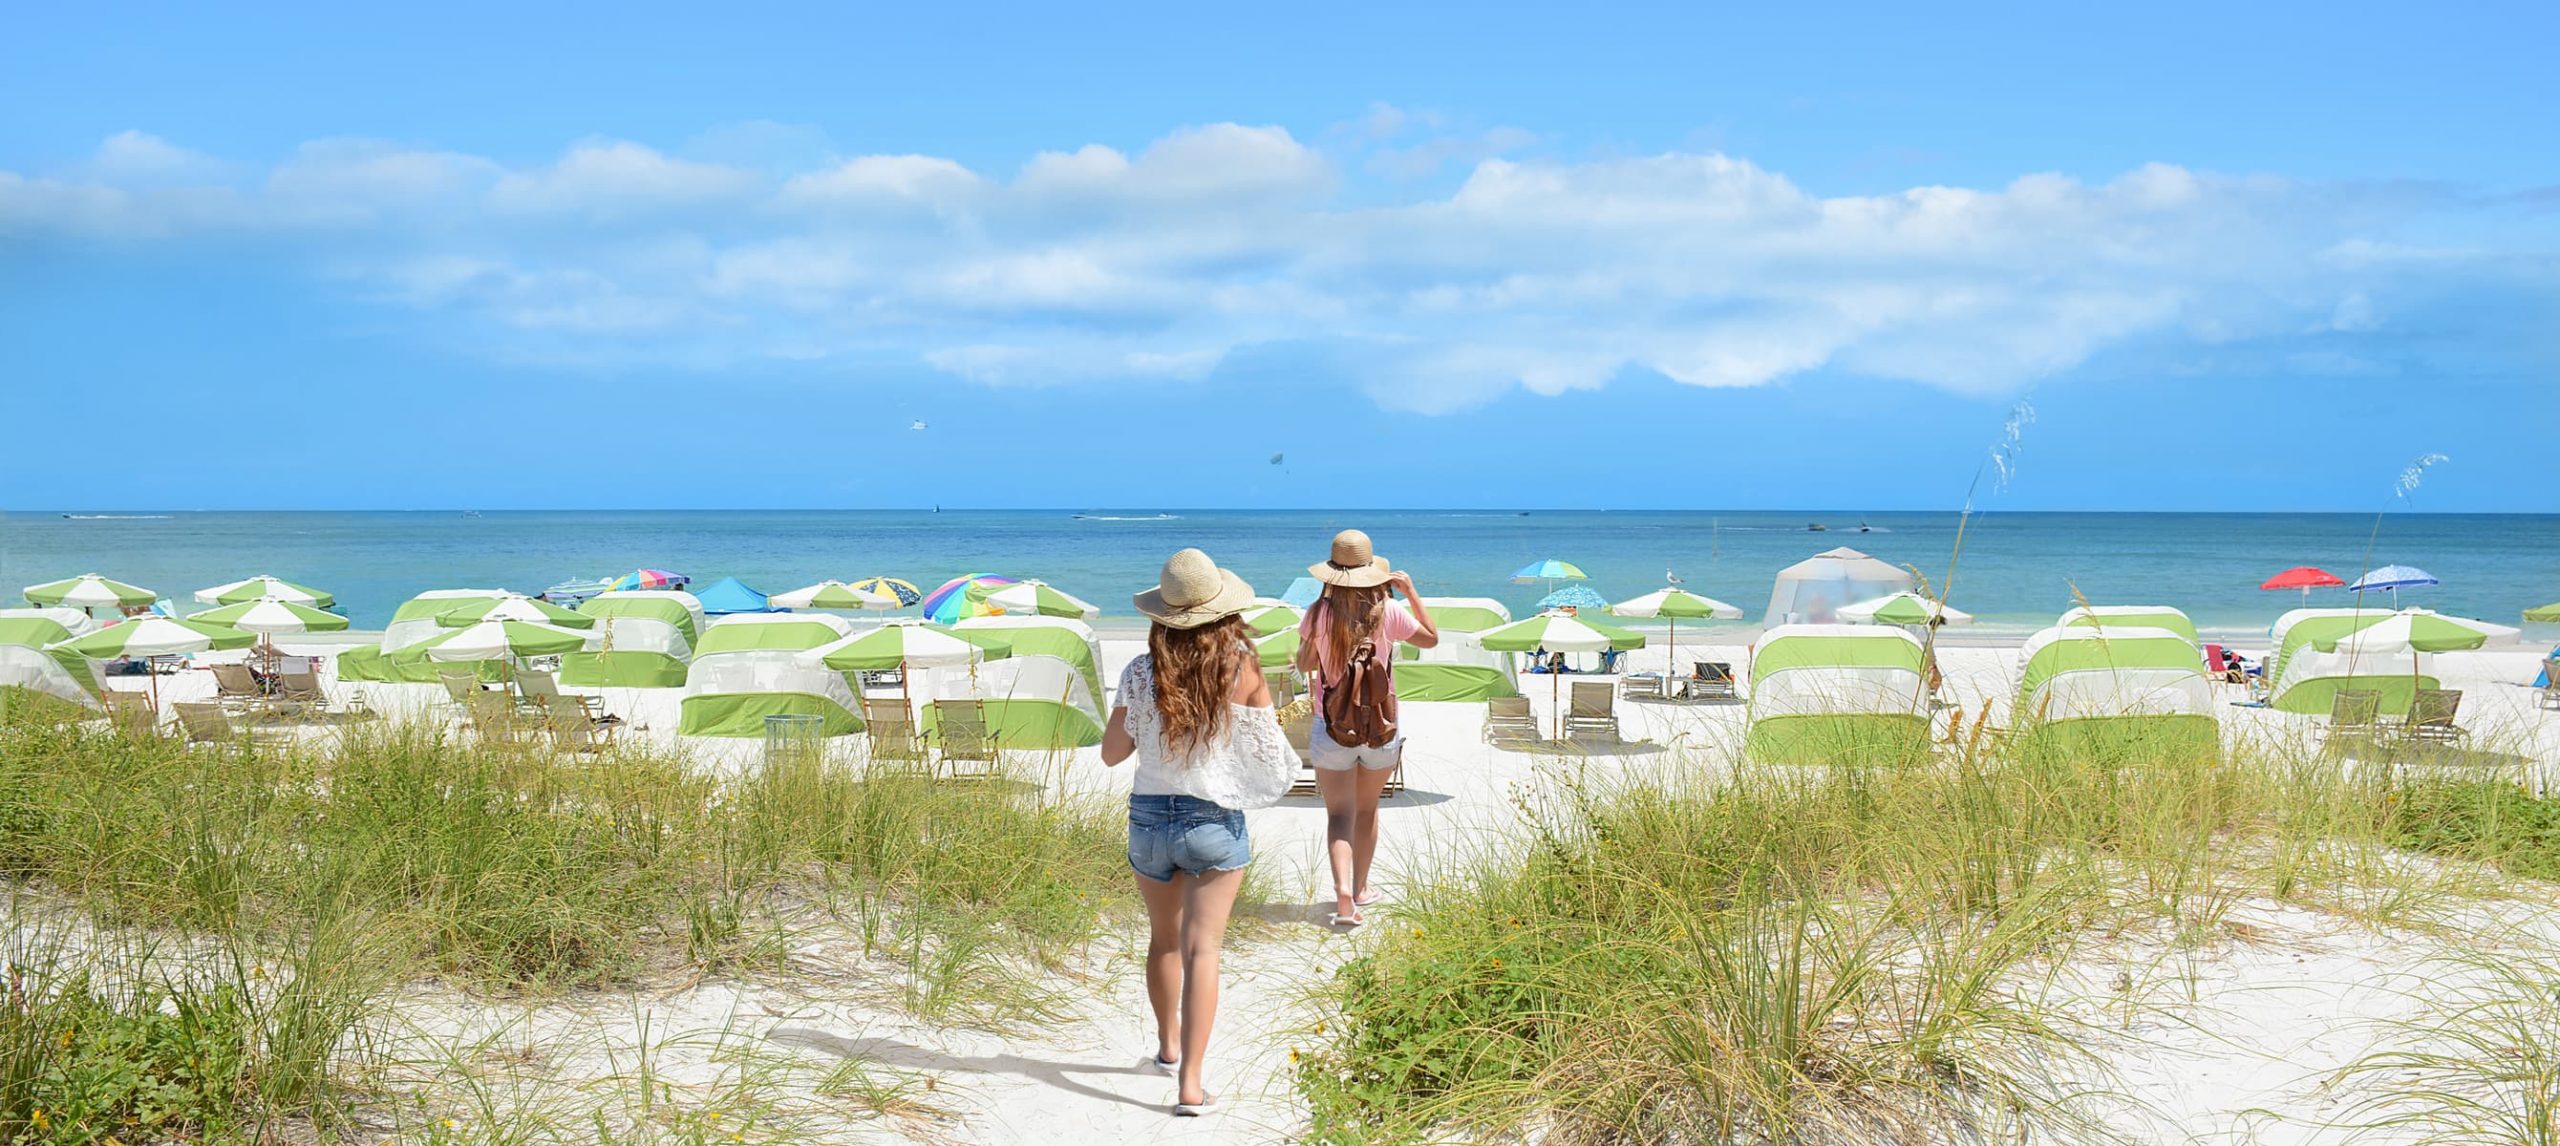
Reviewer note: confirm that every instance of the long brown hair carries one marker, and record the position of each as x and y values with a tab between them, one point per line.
1196	672
1350	614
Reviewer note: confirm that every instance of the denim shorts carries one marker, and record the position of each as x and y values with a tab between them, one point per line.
1325	753
1185	833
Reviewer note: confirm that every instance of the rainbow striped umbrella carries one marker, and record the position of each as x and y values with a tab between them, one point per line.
963	597
649	579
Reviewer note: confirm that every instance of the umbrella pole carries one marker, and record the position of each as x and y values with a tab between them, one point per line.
1555	700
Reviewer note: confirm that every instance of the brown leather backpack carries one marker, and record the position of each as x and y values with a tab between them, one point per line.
1360	708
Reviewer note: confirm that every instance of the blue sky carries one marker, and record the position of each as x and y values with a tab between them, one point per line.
1648	257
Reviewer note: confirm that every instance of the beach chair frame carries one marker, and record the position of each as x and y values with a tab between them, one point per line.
1591	713
1510	720
2550	695
1711	680
964	745
894	739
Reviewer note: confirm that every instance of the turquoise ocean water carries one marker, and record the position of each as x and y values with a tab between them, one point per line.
2017	569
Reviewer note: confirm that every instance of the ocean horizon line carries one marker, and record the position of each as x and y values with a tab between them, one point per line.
146	512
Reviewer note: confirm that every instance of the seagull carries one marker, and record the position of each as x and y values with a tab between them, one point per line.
1670	576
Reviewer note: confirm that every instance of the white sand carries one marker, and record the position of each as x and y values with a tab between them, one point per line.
2232	1044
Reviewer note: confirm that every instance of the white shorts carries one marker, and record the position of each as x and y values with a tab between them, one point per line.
1325	754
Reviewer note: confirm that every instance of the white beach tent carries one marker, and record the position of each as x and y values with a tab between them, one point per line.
2118	693
1459	668
392	659
1812	591
648	640
1032	634
748	666
1838	694
27	663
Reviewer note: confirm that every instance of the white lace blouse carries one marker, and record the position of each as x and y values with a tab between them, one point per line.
1222	770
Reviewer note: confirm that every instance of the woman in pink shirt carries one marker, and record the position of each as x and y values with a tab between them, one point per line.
1357	605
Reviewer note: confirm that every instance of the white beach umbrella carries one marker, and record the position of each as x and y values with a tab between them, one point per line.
273	615
832	595
2424	631
1904	609
1042	599
264	588
513	607
89	591
505	640
1675	605
1557	632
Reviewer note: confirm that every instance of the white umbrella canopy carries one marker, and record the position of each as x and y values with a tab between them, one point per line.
1042	598
89	591
832	595
264	587
1904	609
906	642
513	607
157	637
2425	631
1679	604
269	615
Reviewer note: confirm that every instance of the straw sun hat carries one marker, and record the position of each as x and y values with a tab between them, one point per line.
1354	565
1192	591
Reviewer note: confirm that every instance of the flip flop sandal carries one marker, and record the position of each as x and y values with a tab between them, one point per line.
1345	922
1170	1069
1201	1109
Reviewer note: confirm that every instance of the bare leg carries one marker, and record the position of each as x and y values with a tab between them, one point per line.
1341	792
1164	959
1364	827
1206	902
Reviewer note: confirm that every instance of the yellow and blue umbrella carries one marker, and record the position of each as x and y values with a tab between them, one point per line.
905	591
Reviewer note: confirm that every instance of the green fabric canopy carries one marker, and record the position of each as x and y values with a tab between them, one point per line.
472	612
2547	614
913	644
605	606
731	636
273	616
1558	633
262	587
159	636
2126	648
89	591
492	640
1888	648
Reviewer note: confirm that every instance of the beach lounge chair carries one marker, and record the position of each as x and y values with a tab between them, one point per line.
205	723
2431	713
1636	685
461	686
1712	680
1507	719
2550	697
892	729
1593	713
967	746
572	728
493	717
131	714
298	693
2354	715
236	688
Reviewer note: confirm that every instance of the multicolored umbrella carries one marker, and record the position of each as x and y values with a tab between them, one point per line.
265	588
89	591
526	609
1039	598
905	591
272	615
963	597
493	640
1549	571
648	579
1574	597
158	637
1904	609
832	595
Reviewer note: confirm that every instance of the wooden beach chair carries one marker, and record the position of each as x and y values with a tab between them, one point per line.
961	736
2354	715
1712	680
573	729
298	694
2550	696
493	717
1593	712
131	714
1508	720
2431	713
891	727
236	689
208	723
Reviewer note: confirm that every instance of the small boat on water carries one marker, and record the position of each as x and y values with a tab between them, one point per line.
1817	527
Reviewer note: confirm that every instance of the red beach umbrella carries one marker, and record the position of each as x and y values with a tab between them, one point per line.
2305	578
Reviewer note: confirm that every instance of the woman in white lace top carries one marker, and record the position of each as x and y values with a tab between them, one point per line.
1195	712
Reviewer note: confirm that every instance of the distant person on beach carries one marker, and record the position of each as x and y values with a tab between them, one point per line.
1356	612
1195	711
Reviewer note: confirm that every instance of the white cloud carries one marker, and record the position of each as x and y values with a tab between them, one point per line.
1088	265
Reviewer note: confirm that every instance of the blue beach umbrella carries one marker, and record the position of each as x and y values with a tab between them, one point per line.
2394	578
730	595
1573	596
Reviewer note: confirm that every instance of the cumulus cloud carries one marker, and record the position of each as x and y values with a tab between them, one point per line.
1090	264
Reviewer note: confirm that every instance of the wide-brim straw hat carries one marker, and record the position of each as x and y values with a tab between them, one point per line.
1354	564
1192	591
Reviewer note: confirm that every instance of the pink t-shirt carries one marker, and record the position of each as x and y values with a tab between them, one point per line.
1395	623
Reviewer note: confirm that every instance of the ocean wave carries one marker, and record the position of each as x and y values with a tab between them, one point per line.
116	516
1147	517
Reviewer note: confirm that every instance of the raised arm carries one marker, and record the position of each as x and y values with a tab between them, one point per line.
1429	637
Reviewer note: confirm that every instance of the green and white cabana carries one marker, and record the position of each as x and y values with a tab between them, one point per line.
1460	668
1032	703
2305	679
2118	694
1852	695
833	595
749	666
264	588
33	661
89	591
268	616
648	640
391	659
77	621
2132	617
513	607
1065	638
1040	599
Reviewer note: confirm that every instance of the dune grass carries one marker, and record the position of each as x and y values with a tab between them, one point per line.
1814	955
